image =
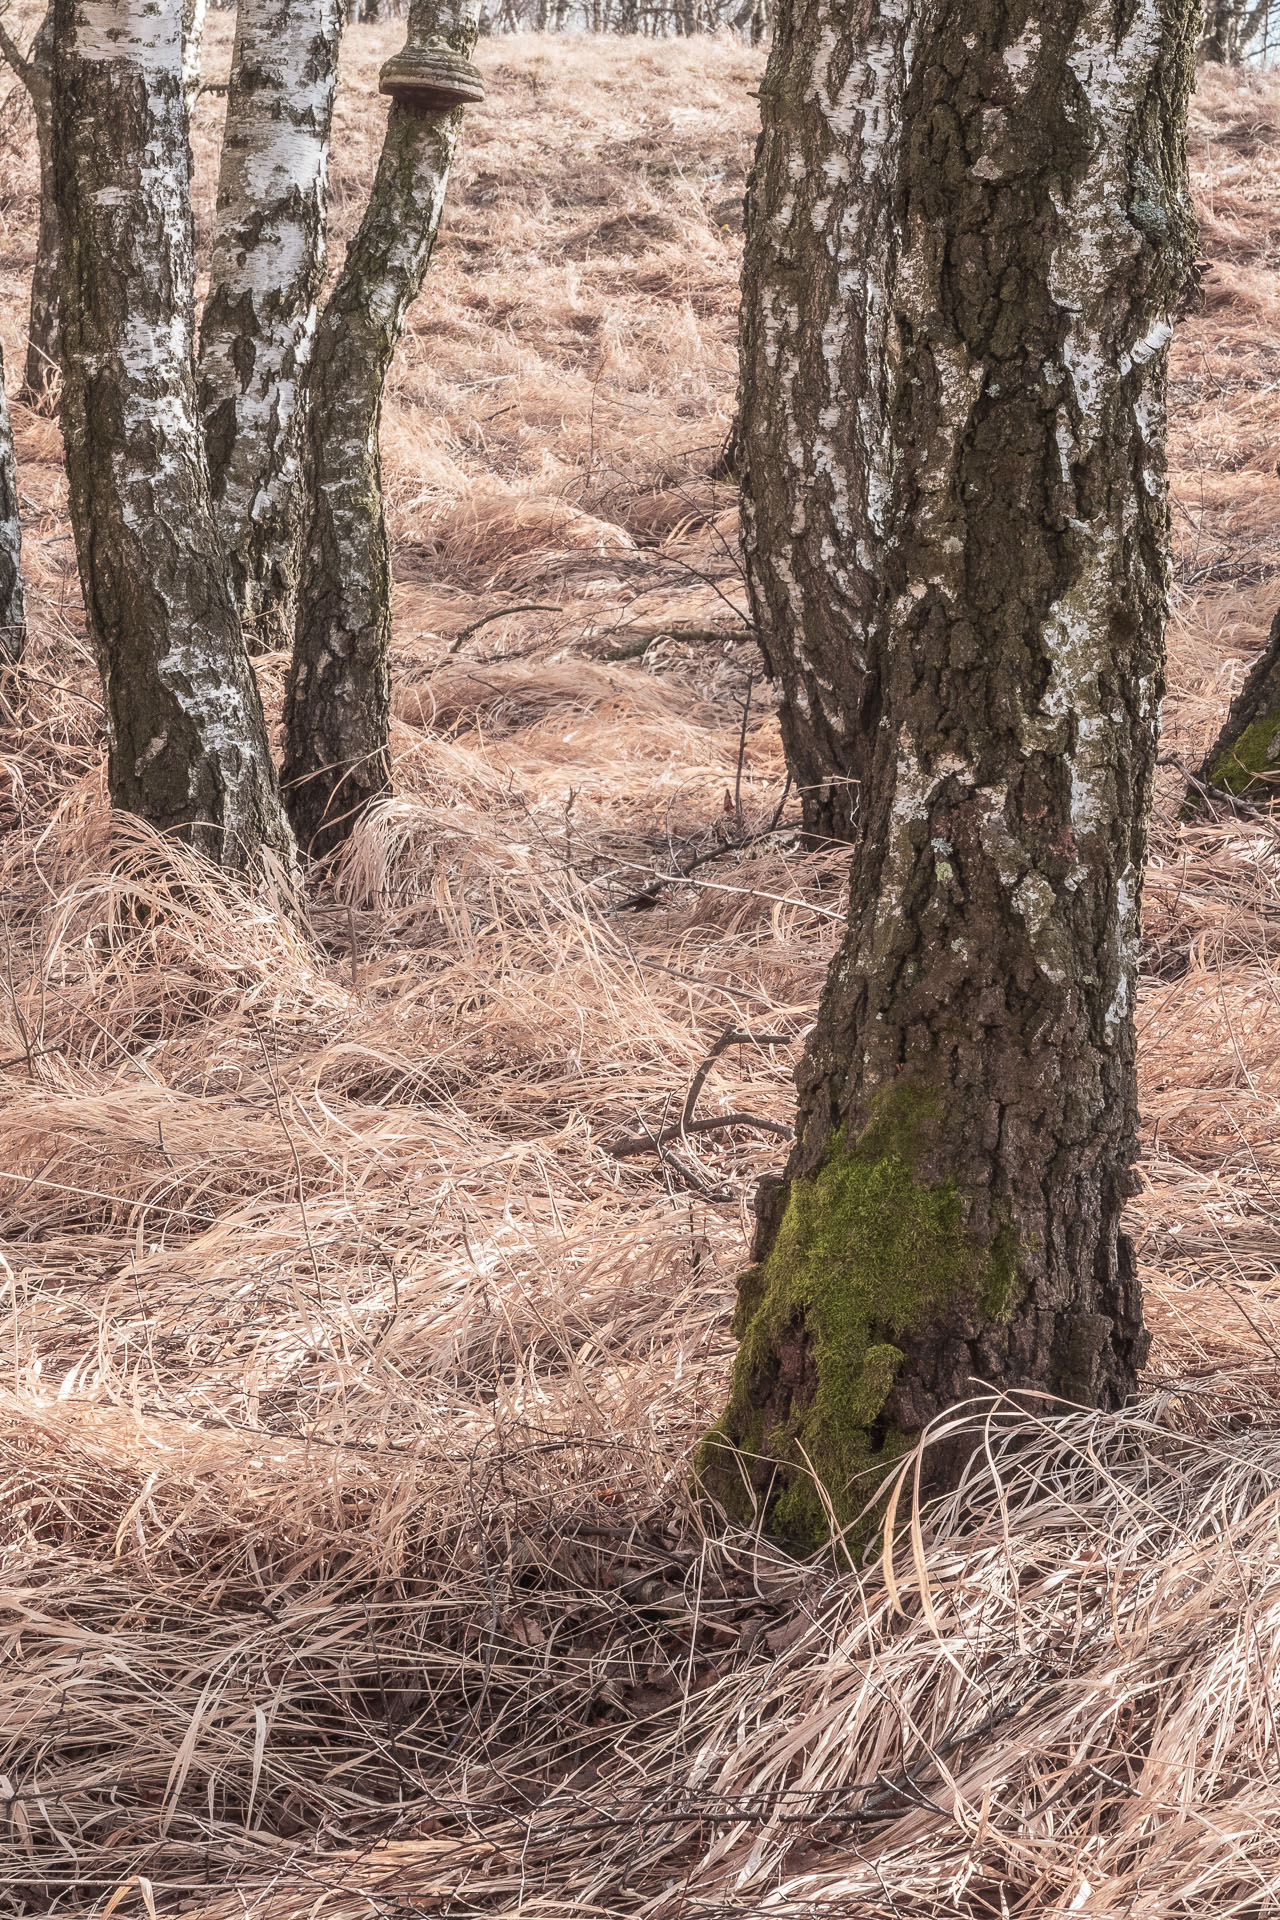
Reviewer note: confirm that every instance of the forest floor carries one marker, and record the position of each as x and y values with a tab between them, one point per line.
348	1379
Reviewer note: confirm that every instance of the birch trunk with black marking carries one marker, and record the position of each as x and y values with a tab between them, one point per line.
35	70
337	710
13	612
188	745
259	319
969	228
193	14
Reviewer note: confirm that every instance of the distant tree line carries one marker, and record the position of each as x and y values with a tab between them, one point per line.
1237	30
657	19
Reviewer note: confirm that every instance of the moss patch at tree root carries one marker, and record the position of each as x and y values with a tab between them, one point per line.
866	1257
1252	760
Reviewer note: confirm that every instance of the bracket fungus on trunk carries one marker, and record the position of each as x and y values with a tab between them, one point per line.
431	77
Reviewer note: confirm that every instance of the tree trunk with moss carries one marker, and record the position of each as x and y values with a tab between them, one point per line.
1245	760
13	612
969	230
338	705
259	319
188	745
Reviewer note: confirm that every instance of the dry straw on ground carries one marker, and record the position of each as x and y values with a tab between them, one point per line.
347	1380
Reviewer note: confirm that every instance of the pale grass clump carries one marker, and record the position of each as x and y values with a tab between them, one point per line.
348	1380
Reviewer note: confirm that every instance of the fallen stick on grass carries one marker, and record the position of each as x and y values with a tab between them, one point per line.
687	1123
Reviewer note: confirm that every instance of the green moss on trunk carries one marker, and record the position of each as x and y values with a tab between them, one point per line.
868	1256
1251	761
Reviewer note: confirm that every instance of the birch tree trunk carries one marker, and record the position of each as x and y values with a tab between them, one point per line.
13	612
193	13
968	231
35	71
188	747
1245	760
1231	27
337	710
259	319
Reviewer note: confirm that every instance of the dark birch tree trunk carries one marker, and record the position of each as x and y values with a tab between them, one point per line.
337	712
1245	760
13	611
969	229
188	747
259	319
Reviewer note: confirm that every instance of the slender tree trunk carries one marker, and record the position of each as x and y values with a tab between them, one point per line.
44	352
968	231
1246	757
259	319
337	713
13	611
1230	28
818	345
35	71
188	747
193	13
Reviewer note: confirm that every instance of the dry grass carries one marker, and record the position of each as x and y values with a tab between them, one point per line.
347	1381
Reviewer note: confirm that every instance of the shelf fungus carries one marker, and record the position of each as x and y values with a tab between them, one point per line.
431	77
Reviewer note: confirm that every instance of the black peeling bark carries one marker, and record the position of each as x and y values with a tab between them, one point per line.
13	611
188	745
337	713
968	232
259	319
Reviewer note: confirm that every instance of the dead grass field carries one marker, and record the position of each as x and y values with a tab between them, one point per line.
347	1380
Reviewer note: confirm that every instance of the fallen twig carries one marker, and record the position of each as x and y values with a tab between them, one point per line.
1208	791
464	634
648	896
650	636
650	1142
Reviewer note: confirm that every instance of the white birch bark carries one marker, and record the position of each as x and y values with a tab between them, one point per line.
13	620
187	743
193	13
259	320
35	71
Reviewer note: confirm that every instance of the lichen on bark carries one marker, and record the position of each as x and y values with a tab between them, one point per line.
188	748
968	229
259	319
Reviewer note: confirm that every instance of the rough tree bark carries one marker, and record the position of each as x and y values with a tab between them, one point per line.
969	231
13	613
35	71
188	746
1245	759
259	319
337	711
